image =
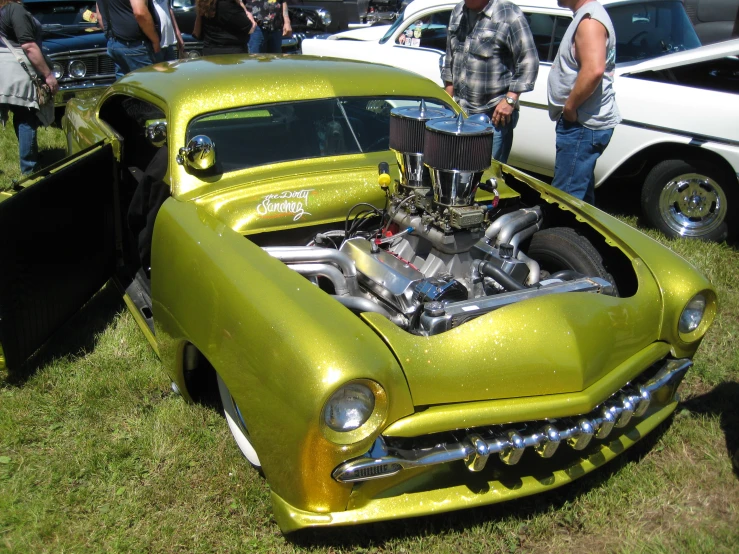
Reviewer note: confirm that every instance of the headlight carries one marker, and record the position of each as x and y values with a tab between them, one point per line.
192	54
349	407
58	70
77	69
692	314
325	16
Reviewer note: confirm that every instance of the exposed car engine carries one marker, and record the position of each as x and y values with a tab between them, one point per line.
433	258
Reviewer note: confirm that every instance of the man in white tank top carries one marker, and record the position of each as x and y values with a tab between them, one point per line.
581	96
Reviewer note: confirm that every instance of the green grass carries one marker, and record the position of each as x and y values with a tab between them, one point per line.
98	455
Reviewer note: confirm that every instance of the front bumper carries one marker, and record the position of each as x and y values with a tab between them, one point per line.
81	90
452	478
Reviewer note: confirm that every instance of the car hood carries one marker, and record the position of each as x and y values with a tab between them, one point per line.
678	59
376	32
548	345
60	42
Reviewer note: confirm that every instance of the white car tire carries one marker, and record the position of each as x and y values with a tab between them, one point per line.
688	199
237	425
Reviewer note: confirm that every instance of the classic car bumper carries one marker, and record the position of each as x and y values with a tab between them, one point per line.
81	90
447	482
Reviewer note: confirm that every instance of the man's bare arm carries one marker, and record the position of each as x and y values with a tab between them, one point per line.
590	52
146	22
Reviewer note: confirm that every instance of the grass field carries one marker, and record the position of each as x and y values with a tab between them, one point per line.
98	455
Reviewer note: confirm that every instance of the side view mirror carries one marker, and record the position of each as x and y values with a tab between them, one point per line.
156	132
199	154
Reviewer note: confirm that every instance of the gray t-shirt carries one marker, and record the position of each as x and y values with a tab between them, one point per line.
599	111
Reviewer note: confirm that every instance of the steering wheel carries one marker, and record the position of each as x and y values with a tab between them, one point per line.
637	37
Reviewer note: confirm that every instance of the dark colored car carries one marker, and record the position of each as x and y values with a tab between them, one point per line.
305	20
77	47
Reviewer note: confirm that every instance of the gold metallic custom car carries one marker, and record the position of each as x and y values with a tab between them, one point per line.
395	325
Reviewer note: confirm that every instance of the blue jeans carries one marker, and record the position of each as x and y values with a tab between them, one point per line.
128	56
25	123
503	138
169	53
578	148
265	42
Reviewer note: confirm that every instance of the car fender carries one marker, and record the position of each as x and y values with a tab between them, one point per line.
246	312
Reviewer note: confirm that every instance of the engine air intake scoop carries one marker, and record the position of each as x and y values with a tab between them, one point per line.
457	152
407	129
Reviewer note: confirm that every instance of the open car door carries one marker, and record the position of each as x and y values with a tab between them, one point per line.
58	249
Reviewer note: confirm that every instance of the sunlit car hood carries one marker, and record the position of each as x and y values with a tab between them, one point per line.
510	353
687	57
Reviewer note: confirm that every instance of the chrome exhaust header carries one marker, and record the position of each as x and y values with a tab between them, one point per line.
510	444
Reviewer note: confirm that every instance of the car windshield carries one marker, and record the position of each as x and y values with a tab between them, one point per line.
651	29
63	14
274	133
391	31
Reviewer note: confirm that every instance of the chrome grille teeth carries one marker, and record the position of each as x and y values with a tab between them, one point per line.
626	413
642	403
512	453
477	460
476	447
549	443
582	435
605	422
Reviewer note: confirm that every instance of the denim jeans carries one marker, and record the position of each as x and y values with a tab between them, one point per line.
578	148
169	53
503	138
25	123
130	56
265	42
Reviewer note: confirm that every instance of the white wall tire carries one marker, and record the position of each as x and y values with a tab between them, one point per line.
237	425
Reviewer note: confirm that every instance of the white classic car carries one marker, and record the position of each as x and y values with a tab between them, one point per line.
679	139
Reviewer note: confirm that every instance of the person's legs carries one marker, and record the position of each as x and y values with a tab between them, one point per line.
503	139
256	41
273	42
169	53
26	123
127	59
578	148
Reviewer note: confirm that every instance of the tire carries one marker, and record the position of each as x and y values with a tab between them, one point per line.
236	425
561	248
689	199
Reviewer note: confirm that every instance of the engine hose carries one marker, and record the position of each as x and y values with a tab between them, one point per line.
566	275
508	282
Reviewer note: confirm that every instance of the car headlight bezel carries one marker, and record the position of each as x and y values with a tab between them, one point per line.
346	397
77	69
696	316
57	70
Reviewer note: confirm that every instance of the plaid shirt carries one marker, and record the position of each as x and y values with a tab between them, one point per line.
497	56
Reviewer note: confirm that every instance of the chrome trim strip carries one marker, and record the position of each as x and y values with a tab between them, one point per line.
630	123
475	450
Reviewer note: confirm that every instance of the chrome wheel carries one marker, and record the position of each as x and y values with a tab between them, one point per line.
693	205
237	425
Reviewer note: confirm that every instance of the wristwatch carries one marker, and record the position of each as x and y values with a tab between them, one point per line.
511	101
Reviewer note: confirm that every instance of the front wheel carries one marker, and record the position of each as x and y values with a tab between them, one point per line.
561	248
689	199
237	425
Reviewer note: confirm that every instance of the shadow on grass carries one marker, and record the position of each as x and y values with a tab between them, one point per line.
77	336
374	535
722	401
49	156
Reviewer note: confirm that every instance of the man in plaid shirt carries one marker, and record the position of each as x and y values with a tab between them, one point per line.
490	60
